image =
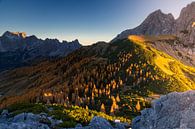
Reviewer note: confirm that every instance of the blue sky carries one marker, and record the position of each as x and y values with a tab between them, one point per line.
87	20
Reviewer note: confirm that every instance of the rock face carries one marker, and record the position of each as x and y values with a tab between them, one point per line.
173	111
100	123
16	49
185	30
156	23
184	27
23	121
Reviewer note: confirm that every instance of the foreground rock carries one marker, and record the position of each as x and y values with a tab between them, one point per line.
43	121
173	111
27	121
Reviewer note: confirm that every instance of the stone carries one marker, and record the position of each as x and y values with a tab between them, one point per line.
4	116
119	126
173	111
26	117
4	113
100	123
78	125
24	121
22	125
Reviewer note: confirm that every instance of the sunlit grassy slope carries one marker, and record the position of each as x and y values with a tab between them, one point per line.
175	69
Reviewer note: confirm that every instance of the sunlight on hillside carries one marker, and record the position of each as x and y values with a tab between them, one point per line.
167	64
193	24
47	94
148	38
137	38
163	64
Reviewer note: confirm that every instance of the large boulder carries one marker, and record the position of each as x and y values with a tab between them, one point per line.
26	121
26	117
4	116
23	125
173	111
100	123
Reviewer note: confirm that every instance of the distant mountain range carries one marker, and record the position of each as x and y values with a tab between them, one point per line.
16	49
158	23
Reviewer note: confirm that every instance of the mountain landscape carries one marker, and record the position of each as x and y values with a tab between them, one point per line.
114	81
17	49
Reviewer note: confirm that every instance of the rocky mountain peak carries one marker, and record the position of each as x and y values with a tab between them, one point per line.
160	21
187	16
14	35
159	13
189	8
76	41
156	23
185	25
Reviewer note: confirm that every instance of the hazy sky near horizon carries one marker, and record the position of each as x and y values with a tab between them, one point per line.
87	20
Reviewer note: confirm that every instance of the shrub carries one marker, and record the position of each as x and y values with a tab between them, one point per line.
27	107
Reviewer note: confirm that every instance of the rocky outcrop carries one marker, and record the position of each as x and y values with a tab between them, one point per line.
185	30
16	49
184	25
43	121
172	111
14	35
27	121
